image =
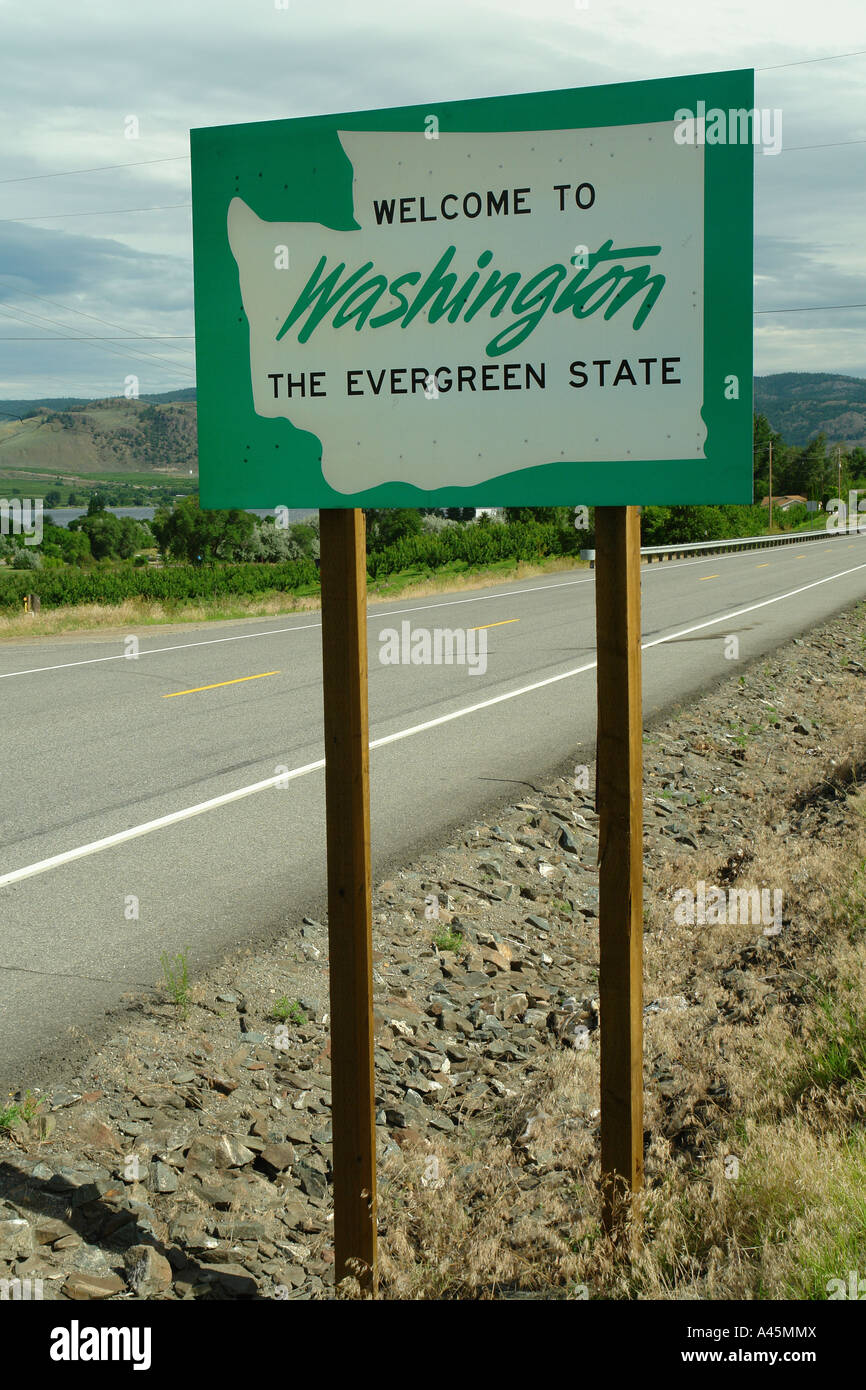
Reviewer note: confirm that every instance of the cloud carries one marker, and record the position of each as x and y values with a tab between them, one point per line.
72	74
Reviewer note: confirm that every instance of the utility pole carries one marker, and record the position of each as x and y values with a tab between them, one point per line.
770	525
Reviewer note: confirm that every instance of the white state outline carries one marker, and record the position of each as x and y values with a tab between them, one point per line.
68	856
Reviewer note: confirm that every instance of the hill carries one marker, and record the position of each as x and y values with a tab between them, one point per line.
23	408
800	405
116	437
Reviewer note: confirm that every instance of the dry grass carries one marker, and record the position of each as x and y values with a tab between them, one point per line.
137	613
791	1114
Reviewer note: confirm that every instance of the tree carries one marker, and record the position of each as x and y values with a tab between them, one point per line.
809	472
762	436
306	538
188	533
111	537
530	513
387	526
27	559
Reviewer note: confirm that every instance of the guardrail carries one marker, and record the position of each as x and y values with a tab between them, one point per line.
686	548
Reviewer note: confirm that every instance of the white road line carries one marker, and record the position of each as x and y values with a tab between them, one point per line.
188	812
152	651
147	826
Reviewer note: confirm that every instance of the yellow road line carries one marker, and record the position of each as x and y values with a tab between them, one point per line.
504	623
239	681
707	576
763	566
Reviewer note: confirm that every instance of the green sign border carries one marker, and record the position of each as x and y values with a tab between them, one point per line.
247	461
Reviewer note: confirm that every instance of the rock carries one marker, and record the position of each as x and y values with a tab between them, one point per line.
491	865
50	1229
211	1153
16	1238
295	1131
568	842
71	1242
498	959
673	1003
277	1157
92	1286
514	1006
312	1183
233	1280
294	1213
161	1178
452	1022
90	1259
186	1226
231	1229
62	1099
95	1133
147	1272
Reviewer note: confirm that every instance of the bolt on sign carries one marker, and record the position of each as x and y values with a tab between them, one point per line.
530	299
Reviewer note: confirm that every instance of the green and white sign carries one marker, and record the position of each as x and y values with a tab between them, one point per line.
534	299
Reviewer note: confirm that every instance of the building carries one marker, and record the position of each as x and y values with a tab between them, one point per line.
784	504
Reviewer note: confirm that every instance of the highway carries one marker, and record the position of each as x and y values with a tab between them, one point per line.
104	746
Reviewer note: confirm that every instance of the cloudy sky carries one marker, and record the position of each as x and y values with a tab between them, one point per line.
88	251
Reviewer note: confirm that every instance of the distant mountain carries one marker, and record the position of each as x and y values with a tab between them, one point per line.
110	436
800	405
25	408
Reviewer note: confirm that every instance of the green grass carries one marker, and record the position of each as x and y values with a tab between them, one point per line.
286	1012
448	940
838	1053
176	974
12	1114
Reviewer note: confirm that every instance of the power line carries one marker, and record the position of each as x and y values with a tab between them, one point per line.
100	212
810	309
64	337
97	169
828	58
169	207
71	309
832	145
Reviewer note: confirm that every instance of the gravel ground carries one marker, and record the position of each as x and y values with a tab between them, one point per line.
190	1156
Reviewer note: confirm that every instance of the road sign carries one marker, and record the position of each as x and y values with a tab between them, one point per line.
533	299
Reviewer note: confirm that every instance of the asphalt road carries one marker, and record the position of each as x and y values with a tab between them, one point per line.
99	744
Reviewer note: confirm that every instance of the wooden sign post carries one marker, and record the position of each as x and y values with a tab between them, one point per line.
619	802
343	570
